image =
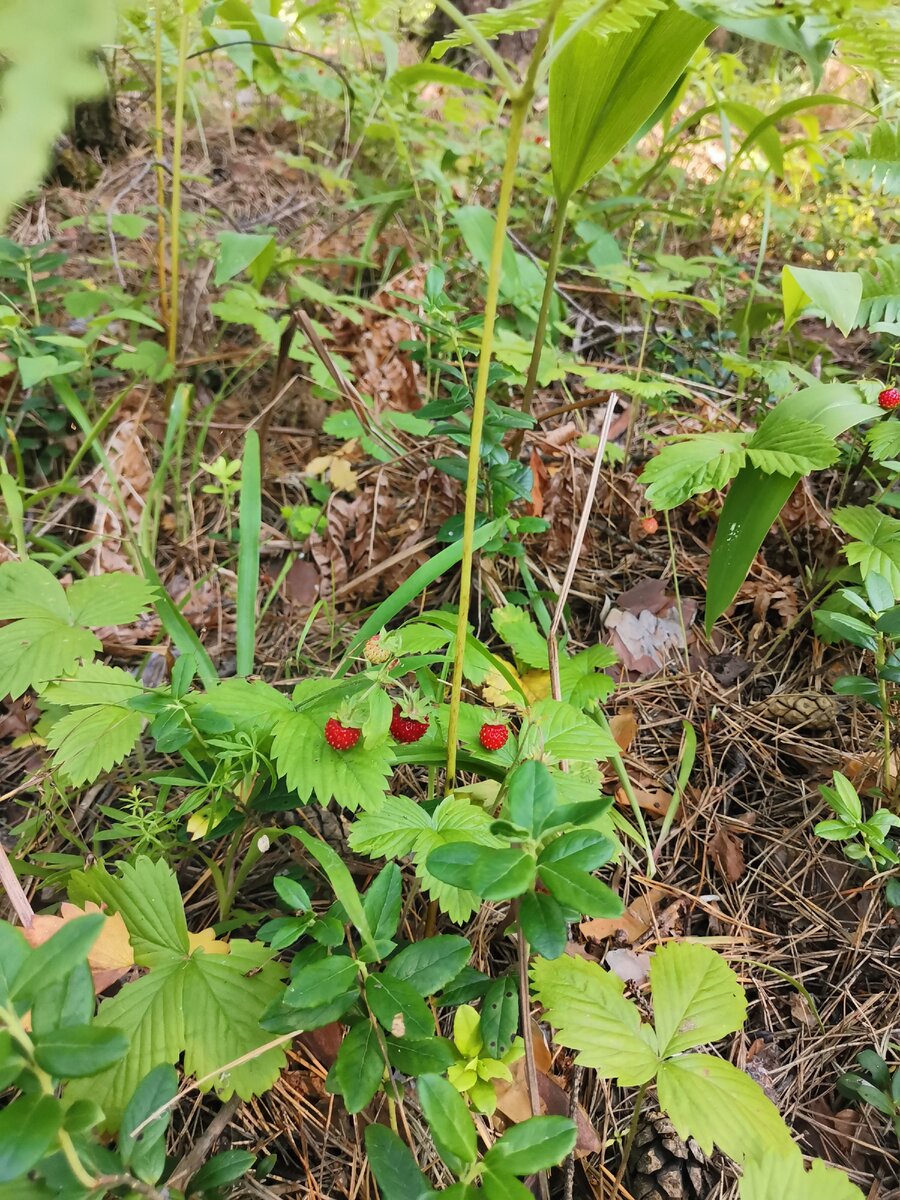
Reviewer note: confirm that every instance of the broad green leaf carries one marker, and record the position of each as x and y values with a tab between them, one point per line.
497	1184
569	734
29	590
690	465
67	1002
56	958
382	903
430	965
500	1016
582	849
836	293
221	1170
755	499
533	1145
322	982
716	1104
543	924
588	1008
576	889
237	251
113	599
310	766
791	447
394	1167
145	1153
420	1056
845	626
147	895
35	650
360	1066
449	1121
500	874
91	685
876	544
399	1007
530	795
28	1127
79	1051
697	998
601	95
388	828
783	1176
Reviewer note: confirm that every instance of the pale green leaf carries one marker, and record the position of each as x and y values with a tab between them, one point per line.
600	96
516	627
150	1011
29	590
311	767
716	1104
836	294
587	1007
566	733
35	650
883	440
876	544
250	705
789	446
697	998
50	54
91	685
389	827
90	740
783	1177
225	996
113	599
690	465
237	251
147	895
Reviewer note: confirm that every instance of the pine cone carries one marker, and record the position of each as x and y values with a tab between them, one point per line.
663	1167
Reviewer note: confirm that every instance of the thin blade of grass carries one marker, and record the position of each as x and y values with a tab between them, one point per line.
249	521
177	627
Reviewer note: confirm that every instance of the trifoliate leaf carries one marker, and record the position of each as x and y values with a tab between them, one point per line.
877	542
33	650
713	1102
588	1008
697	998
691	465
788	446
311	767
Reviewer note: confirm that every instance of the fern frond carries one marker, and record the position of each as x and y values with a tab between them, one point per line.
616	16
877	160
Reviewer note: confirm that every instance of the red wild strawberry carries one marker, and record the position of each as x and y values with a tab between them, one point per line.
376	653
493	737
407	729
889	398
340	737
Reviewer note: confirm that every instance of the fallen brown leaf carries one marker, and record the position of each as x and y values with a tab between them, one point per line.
727	852
623	726
655	801
111	955
513	1103
633	923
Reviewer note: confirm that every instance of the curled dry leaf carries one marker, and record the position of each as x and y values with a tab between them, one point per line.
133	477
634	922
623	726
111	956
513	1103
727	853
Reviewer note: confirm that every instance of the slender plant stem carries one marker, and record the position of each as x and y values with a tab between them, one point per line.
160	171
884	704
559	228
487	51
519	106
175	213
534	1095
629	1140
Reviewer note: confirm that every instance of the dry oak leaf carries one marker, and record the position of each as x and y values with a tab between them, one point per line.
111	956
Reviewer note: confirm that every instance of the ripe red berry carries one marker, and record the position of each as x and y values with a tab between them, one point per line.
406	729
493	737
340	737
889	398
375	652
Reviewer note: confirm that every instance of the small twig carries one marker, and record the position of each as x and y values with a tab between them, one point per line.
569	1164
580	533
9	881
196	1156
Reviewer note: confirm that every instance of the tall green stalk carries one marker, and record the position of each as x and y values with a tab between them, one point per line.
175	214
559	228
520	102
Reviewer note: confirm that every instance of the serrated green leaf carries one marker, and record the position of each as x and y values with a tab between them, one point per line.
693	464
588	1008
147	896
388	827
876	544
113	599
88	741
28	590
91	685
791	447
713	1102
34	650
783	1177
568	734
697	998
516	627
310	766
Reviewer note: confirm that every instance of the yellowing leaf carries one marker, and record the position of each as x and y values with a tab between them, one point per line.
206	941
536	685
111	955
497	691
